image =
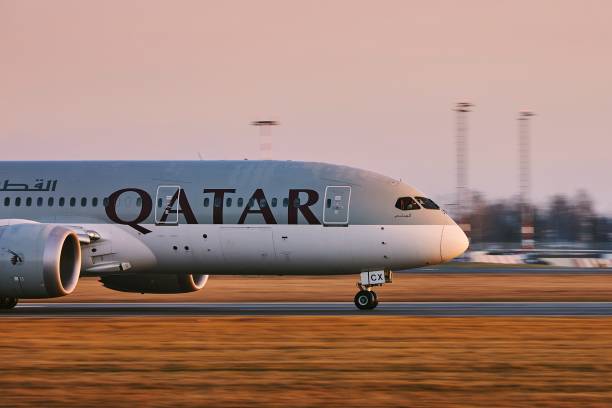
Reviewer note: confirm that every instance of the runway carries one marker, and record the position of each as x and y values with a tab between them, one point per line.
430	309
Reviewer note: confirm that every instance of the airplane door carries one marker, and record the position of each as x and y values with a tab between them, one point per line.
337	201
166	205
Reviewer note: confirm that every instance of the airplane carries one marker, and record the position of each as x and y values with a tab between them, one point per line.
165	226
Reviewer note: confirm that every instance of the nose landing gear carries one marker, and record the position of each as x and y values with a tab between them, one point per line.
366	298
8	302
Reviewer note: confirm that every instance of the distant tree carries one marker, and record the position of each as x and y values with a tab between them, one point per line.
563	219
585	216
602	230
494	222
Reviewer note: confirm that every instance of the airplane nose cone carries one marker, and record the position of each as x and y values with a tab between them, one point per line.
454	242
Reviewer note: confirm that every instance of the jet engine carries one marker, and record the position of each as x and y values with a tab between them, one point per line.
155	283
38	261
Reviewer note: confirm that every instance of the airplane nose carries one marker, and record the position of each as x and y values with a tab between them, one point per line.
454	242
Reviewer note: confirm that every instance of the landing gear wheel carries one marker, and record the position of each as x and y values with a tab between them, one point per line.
375	299
366	300
8	302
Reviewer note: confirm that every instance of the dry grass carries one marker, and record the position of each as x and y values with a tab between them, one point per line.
406	287
307	361
318	361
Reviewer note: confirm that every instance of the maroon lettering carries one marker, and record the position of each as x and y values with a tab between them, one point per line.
145	210
218	202
183	208
294	206
259	198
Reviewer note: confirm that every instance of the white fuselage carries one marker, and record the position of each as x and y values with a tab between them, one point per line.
231	217
263	249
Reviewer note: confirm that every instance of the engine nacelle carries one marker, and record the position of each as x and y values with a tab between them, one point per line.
155	283
38	261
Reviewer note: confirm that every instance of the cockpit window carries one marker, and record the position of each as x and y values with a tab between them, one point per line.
427	203
406	203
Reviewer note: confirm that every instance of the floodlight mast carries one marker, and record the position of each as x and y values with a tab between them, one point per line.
527	216
265	137
463	199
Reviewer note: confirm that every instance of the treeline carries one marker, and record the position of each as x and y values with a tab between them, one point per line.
569	219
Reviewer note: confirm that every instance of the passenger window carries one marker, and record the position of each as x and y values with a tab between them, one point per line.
240	202
62	200
296	202
206	202
228	202
39	201
139	202
83	202
29	201
72	201
50	202
263	203
218	202
328	203
406	203
7	201
105	201
17	201
251	202
427	203
94	201
274	202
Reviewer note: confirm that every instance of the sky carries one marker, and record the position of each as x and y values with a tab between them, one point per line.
370	84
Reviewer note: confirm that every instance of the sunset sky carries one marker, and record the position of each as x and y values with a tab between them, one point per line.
370	84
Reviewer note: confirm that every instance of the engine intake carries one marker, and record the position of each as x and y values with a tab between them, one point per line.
38	261
155	283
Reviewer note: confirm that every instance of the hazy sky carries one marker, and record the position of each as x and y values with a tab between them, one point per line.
365	83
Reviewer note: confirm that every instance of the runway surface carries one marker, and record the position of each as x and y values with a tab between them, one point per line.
433	309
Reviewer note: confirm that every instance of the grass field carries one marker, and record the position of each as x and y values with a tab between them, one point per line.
307	362
321	361
406	287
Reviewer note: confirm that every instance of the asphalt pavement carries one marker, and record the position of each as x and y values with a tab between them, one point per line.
431	309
